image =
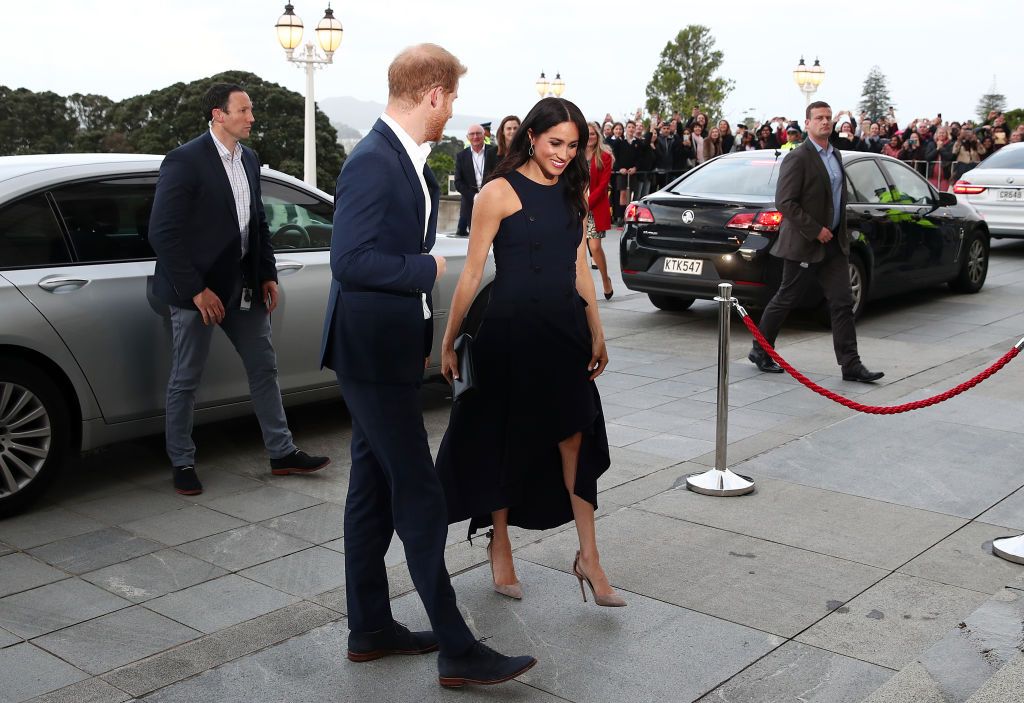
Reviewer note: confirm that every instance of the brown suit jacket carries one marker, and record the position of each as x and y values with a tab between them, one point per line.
804	197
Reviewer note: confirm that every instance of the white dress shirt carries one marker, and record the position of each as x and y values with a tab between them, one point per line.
418	154
478	165
232	161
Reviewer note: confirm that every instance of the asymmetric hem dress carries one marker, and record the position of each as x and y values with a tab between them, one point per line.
533	389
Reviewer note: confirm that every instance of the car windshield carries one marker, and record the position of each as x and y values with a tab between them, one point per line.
1007	158
755	175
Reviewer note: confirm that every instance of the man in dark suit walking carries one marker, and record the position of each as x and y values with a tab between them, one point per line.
814	243
472	167
215	266
377	333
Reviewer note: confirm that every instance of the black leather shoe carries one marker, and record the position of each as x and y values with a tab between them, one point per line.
298	462
763	361
482	666
860	373
397	639
185	480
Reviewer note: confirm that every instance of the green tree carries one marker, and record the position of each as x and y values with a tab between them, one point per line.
443	166
1014	117
990	101
91	112
35	123
685	76
874	98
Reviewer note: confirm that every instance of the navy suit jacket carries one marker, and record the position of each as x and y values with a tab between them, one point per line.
194	228
465	175
374	328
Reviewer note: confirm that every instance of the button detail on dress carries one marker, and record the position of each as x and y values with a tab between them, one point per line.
536	269
531	218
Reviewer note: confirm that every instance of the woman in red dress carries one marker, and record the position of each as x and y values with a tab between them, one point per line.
599	219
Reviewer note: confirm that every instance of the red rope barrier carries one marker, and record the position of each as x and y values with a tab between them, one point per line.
876	409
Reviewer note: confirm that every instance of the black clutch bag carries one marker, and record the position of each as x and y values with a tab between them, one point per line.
464	352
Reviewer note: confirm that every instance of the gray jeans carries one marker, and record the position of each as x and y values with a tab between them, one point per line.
249	332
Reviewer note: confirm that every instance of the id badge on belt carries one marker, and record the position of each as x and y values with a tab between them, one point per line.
246	302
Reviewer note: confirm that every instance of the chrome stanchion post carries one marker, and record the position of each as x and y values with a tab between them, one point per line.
1009	548
720	481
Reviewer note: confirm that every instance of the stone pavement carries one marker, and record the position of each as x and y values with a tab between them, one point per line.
861	568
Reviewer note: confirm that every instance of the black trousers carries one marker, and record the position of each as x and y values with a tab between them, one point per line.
833	274
393	488
465	213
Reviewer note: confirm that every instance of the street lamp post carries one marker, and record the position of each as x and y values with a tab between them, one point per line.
554	88
328	36
808	78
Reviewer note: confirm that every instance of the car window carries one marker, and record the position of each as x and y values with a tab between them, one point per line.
908	188
108	220
30	235
297	220
865	183
733	176
1005	158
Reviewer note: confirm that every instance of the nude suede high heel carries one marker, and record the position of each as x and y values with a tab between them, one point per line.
515	590
612	601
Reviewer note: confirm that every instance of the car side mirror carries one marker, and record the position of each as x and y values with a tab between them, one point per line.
947	199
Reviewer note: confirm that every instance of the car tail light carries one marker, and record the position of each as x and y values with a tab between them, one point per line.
635	212
764	221
741	221
965	188
767	221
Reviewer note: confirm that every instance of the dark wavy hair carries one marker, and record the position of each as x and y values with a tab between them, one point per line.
502	144
543	116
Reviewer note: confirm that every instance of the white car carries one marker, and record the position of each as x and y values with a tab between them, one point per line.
995	188
84	345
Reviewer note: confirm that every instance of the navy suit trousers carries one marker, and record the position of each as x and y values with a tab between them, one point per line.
393	488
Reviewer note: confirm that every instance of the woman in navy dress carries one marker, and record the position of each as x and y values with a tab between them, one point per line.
527	445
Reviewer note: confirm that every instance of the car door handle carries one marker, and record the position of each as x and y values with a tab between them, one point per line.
287	267
55	284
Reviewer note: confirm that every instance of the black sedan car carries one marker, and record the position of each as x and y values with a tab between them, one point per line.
718	222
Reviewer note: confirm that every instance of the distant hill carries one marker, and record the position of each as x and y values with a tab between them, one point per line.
361	115
345	132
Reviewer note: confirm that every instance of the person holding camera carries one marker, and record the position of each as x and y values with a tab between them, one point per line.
967	152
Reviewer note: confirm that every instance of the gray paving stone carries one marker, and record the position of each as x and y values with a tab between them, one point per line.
739	450
662	419
153	575
894	621
183	525
910	684
637	399
746	392
749	581
5	549
622	435
36	528
318	524
848	527
243	547
57	605
673	446
213	650
976	648
1008	513
94	550
797	673
304	574
326	677
29	671
626	494
965	559
262	503
130	505
666	368
7	639
220	603
99	645
612	382
20	572
628	465
92	690
946	476
1004	685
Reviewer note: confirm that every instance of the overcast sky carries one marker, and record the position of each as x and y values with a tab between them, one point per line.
939	56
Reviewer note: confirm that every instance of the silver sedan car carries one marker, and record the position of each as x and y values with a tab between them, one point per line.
995	188
84	345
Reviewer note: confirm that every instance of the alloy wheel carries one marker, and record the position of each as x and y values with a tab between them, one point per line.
25	437
976	261
856	286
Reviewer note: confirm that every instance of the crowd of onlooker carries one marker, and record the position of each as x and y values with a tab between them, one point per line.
648	153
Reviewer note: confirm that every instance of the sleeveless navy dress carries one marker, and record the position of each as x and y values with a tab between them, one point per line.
533	390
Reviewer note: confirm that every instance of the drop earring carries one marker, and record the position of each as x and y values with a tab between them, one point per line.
531	148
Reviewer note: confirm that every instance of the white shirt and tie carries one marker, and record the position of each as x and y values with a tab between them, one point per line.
418	154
